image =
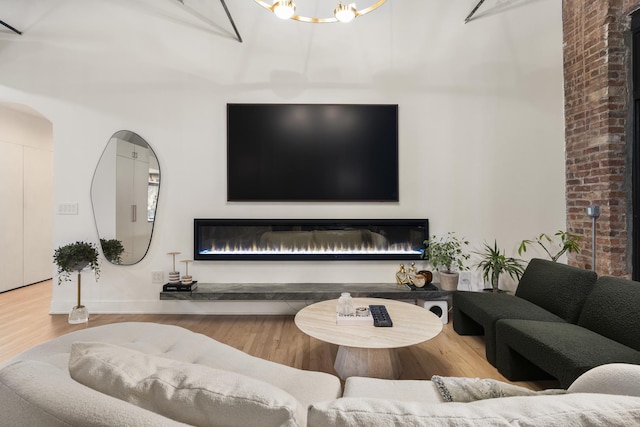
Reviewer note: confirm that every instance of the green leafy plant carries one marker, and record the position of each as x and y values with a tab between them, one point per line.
568	243
75	257
112	250
446	253
494	262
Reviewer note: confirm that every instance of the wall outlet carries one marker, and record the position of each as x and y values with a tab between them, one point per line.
157	277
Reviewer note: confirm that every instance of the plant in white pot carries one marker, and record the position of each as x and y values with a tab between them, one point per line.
75	257
447	256
494	262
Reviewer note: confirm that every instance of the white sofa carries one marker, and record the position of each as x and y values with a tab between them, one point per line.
184	378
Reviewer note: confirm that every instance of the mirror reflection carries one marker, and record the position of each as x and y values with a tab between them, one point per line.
124	195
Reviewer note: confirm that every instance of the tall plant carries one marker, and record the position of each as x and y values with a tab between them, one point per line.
446	253
494	262
568	243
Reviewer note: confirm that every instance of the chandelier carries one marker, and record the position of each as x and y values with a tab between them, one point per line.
286	9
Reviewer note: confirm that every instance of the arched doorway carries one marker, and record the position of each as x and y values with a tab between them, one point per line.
26	173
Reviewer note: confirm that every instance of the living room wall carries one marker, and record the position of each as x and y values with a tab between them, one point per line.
480	108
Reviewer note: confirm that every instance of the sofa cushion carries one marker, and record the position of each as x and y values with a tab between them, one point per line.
563	350
580	409
559	288
612	310
185	392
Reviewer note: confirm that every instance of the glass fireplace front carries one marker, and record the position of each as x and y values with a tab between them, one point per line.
284	239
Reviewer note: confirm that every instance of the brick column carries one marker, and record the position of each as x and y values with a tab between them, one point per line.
598	169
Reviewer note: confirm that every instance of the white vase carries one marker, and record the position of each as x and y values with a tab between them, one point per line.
448	281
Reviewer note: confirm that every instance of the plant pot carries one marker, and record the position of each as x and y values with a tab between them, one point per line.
448	281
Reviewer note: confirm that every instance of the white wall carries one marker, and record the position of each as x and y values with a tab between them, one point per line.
480	105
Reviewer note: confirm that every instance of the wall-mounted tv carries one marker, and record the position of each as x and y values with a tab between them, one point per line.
312	152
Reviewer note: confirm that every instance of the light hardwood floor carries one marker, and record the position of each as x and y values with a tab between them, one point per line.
25	321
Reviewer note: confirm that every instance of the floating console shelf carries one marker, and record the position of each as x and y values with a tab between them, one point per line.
299	291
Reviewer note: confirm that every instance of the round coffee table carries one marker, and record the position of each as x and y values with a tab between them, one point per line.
366	350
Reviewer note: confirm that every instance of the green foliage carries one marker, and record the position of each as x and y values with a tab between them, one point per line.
568	243
112	250
446	253
75	257
494	263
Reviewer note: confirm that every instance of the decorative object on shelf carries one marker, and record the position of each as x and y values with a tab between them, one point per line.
402	277
112	250
174	275
447	256
186	279
568	243
75	257
494	262
345	305
286	9
179	287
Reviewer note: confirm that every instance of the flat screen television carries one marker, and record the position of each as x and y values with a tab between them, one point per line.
312	152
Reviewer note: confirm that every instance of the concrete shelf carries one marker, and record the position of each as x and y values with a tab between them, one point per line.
300	291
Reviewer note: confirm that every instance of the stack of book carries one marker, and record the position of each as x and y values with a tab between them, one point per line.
179	287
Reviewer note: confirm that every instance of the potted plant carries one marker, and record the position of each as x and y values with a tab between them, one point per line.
568	243
494	262
75	257
112	250
447	256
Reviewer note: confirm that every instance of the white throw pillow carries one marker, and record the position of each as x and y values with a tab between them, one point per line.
613	378
186	392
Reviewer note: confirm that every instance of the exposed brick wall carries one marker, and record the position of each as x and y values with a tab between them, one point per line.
596	65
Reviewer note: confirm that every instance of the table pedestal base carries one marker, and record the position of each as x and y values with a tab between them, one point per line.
368	362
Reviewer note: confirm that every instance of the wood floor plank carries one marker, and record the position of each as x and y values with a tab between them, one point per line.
25	322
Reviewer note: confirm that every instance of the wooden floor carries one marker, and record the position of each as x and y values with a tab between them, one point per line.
25	322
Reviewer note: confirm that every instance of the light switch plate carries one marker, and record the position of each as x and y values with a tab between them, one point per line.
68	209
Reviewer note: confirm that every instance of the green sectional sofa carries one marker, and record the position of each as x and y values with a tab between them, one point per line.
548	292
607	331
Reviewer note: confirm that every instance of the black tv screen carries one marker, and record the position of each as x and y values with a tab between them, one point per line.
312	152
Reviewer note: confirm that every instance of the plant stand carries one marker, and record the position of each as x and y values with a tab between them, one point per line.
79	313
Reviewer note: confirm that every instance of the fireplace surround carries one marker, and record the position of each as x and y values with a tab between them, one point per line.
309	239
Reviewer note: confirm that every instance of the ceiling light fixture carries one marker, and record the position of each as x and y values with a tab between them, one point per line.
286	9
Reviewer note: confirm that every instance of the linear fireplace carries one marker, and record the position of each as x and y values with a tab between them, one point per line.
309	239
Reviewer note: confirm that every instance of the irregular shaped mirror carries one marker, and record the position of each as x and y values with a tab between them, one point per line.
124	196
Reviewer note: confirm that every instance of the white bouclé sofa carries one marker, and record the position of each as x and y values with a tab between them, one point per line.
146	374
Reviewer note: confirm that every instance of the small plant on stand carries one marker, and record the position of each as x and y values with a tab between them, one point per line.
446	255
568	243
75	257
494	262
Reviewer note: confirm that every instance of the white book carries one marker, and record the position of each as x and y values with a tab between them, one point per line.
342	320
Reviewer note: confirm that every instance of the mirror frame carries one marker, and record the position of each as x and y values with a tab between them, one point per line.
134	138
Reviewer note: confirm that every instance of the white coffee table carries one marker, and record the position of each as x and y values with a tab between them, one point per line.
364	350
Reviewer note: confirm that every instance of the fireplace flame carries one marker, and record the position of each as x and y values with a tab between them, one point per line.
312	249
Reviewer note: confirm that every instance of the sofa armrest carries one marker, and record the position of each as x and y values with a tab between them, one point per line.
614	378
39	394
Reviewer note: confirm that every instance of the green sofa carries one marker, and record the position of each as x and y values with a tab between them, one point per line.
607	331
548	291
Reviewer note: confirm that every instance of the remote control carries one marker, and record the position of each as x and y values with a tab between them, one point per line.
380	316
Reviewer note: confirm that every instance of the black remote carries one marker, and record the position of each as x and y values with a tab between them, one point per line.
380	316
